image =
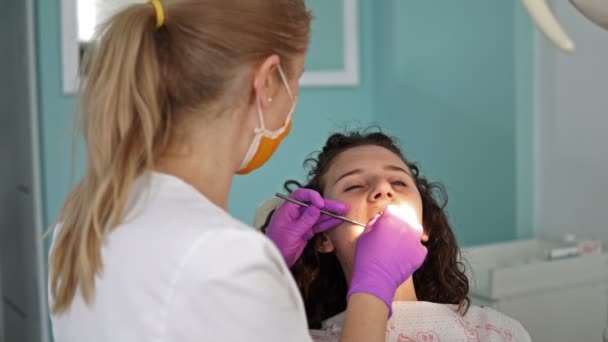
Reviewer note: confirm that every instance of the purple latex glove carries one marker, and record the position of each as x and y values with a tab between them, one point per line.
292	225
388	252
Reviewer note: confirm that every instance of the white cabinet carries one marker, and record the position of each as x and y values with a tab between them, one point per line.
555	300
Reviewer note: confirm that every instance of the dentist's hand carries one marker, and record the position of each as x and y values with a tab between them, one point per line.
292	225
388	252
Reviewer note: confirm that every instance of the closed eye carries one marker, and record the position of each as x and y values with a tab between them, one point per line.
352	187
399	183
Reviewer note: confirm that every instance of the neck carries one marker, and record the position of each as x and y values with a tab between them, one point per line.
213	182
207	161
406	292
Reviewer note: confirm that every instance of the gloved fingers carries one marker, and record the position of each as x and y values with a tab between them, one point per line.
394	217
288	211
325	223
371	224
404	213
309	234
421	253
424	252
308	219
336	207
293	256
308	196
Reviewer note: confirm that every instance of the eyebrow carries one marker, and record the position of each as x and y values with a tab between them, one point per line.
397	168
387	168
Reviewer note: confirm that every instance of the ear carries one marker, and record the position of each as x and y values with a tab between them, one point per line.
425	237
425	234
323	244
263	81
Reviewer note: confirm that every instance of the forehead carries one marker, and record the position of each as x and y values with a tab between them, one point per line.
366	158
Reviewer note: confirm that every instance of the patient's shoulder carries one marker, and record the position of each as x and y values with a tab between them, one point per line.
492	322
330	330
415	321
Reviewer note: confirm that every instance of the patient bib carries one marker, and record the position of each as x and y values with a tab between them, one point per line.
430	322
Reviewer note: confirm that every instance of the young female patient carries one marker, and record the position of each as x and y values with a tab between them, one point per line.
367	171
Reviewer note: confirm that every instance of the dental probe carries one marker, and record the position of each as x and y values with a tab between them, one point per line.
328	213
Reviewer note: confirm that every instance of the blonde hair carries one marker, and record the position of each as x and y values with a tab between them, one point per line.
140	82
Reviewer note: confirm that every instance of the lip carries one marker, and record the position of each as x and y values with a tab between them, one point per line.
409	211
376	211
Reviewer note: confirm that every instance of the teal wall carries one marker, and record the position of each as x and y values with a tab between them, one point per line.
524	123
447	78
56	111
444	81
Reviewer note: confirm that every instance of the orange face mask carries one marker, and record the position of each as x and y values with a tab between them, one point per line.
266	142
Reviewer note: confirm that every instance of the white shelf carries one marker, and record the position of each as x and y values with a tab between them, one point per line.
517	268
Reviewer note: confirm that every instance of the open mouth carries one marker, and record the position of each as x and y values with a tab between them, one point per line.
377	212
404	211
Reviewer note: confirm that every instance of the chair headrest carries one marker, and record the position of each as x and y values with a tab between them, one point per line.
264	209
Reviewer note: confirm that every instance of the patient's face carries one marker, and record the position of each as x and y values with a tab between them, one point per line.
367	178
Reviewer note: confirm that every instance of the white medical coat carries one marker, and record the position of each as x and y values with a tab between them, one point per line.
181	269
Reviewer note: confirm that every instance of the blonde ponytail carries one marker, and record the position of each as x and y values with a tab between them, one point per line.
141	82
121	121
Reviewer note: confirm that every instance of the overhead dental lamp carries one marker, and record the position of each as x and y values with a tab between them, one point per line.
594	10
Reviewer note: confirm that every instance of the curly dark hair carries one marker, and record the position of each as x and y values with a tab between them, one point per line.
319	276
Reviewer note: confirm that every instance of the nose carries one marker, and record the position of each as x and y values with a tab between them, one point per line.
381	191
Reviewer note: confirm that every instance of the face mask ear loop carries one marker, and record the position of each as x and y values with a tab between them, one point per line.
257	99
289	93
285	82
260	116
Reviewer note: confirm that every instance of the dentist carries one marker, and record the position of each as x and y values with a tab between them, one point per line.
177	97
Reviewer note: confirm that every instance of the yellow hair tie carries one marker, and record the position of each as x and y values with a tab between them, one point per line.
160	12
